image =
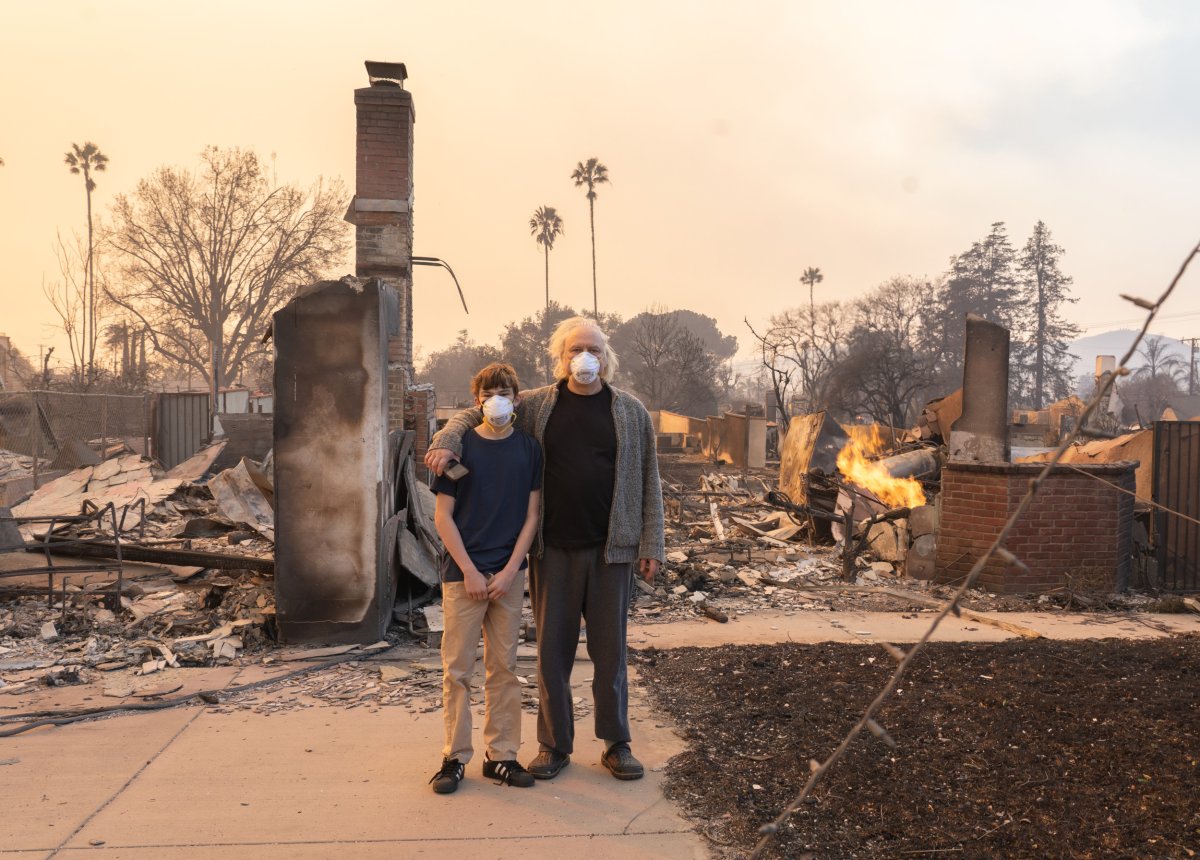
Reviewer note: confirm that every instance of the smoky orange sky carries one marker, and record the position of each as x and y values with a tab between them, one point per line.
745	142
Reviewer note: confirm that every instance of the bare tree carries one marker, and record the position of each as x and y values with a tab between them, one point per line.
800	350
450	369
68	296
652	338
888	365
669	362
206	257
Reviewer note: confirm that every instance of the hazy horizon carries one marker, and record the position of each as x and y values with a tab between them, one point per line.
866	139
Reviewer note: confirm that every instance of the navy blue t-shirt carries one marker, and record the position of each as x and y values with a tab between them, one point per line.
491	501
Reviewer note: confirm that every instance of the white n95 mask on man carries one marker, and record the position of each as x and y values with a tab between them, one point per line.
498	411
585	367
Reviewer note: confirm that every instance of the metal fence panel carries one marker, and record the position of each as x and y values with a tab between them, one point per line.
181	426
45	432
1177	489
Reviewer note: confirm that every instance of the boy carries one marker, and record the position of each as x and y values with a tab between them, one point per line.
487	521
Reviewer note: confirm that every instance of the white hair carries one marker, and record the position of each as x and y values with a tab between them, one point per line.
558	343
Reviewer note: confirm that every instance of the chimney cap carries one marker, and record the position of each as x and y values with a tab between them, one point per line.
386	74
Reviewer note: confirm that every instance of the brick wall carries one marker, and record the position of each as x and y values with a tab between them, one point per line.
399	378
397	383
1076	533
420	404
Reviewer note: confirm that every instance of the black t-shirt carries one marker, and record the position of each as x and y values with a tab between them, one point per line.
492	500
581	467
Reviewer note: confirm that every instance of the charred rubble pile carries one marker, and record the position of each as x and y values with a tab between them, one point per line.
195	545
736	544
849	521
196	549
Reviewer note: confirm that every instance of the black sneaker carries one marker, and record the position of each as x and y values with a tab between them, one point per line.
548	763
507	772
621	763
446	780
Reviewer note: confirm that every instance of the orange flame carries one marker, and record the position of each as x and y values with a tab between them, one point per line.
854	463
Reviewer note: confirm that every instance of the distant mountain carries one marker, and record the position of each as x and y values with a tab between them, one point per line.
1115	343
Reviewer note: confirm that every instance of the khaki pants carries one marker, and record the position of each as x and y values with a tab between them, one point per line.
500	621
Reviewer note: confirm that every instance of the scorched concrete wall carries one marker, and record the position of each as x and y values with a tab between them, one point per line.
330	458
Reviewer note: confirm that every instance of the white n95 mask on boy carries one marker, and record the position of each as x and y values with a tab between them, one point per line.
498	411
585	367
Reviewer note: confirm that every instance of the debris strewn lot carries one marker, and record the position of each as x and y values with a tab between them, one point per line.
1018	750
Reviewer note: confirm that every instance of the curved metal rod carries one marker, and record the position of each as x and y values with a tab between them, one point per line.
435	261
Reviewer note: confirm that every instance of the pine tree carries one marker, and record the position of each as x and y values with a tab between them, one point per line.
1044	334
982	281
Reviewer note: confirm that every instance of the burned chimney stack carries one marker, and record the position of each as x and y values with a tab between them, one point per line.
382	209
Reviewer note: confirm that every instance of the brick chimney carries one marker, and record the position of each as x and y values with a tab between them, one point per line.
382	208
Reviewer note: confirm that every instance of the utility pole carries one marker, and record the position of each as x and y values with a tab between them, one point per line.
1192	365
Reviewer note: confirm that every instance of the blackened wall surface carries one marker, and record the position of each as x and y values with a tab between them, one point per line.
330	429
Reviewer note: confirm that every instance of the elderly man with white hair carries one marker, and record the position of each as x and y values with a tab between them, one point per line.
601	512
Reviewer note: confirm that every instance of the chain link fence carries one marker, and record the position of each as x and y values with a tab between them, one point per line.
46	433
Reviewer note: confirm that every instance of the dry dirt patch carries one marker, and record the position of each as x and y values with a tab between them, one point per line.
1017	749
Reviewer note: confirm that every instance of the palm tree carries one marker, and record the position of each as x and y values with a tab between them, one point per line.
591	173
545	226
812	277
85	159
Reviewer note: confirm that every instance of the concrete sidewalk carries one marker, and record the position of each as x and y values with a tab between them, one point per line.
325	781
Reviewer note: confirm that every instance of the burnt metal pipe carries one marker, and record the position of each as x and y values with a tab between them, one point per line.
921	463
435	261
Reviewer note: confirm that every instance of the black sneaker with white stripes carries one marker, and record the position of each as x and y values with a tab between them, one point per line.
446	780
508	772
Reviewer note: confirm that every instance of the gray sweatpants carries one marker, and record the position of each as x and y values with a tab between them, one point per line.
565	585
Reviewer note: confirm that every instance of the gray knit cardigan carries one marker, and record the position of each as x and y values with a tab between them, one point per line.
635	523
